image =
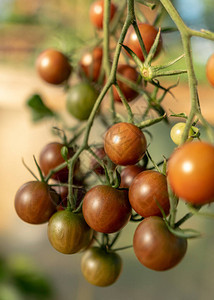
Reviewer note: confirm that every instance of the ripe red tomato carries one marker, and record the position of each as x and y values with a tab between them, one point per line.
147	188
106	209
81	100
125	144
156	247
128	174
50	157
191	171
97	11
131	74
91	63
101	267
148	33
210	69
35	202
68	232
53	66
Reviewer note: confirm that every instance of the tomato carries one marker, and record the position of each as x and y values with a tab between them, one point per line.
148	33
53	66
131	74
128	174
91	63
35	202
148	188
191	171
106	209
177	132
81	100
97	11
95	166
156	247
62	191
68	232
101	267
125	144
210	69
50	157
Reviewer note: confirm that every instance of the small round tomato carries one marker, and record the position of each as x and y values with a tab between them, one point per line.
210	69
81	100
97	12
156	247
191	171
68	232
50	157
62	191
35	202
91	63
177	132
101	267
53	66
128	174
95	166
148	33
106	209
131	74
148	189
125	144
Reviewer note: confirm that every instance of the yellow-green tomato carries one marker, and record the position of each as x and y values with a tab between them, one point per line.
101	267
177	132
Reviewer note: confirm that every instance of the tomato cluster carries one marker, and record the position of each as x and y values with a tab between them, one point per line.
120	182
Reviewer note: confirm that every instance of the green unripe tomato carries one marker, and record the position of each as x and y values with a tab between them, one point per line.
81	99
177	132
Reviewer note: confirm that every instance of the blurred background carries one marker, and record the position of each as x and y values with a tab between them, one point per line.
26	28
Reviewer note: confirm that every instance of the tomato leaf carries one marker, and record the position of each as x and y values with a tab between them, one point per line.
38	109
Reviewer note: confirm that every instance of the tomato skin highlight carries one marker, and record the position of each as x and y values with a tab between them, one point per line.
210	70
156	247
53	66
96	13
106	209
125	144
147	188
148	33
190	172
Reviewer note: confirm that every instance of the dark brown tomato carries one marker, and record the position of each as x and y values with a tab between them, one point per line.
148	33
106	209
53	66
78	193
97	11
147	189
35	202
128	174
91	63
156	247
50	157
125	144
132	75
101	267
68	232
95	166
